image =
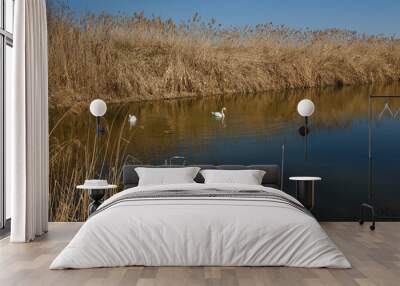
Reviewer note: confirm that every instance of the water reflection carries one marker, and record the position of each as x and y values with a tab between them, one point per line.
253	131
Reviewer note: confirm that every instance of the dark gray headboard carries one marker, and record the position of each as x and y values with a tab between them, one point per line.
272	177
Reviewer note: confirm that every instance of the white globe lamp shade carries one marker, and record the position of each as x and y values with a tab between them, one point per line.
305	108
98	107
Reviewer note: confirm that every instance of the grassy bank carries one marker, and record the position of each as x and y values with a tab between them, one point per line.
118	57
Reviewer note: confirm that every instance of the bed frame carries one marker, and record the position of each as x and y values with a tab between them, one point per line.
272	177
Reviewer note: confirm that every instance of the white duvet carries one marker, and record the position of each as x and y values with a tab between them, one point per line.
200	231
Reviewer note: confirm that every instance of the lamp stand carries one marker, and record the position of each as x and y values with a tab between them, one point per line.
306	138
99	130
304	131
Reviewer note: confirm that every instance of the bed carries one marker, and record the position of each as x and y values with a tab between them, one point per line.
201	224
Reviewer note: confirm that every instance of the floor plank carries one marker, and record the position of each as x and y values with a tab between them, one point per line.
375	257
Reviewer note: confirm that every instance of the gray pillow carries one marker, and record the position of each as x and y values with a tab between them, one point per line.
166	176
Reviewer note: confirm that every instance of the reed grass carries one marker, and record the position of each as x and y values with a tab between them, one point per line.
130	56
74	160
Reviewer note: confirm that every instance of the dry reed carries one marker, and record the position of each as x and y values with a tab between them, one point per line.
72	161
120	57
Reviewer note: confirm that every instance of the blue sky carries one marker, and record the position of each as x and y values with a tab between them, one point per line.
369	16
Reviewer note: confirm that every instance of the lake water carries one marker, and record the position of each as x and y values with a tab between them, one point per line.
253	131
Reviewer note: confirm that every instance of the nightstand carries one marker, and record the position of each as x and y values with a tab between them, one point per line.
96	194
305	188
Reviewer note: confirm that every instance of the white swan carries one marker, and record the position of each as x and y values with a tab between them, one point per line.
219	114
132	120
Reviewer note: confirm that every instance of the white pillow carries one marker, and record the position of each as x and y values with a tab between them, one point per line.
166	176
248	177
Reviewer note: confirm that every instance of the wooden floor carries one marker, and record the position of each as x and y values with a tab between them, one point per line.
375	257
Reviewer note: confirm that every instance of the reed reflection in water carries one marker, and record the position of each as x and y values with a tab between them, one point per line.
252	132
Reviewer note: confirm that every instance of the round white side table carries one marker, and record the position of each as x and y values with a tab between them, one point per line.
305	188
96	194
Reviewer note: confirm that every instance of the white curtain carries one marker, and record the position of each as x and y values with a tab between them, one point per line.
27	124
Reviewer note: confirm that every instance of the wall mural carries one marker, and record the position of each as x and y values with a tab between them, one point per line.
163	79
